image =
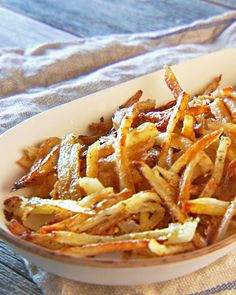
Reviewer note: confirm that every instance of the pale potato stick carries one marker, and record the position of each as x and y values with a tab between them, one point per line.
199	145
175	233
163	250
186	180
126	207
222	229
164	190
214	84
172	82
96	197
187	130
23	207
215	125
218	170
129	206
207	206
179	108
122	161
219	110
92	160
172	178
182	143
40	169
95	249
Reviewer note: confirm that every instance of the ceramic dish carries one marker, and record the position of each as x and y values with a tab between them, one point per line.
111	270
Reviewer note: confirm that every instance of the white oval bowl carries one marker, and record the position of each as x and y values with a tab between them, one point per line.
74	117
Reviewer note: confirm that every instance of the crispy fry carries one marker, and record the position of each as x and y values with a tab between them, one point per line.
222	229
92	160
214	84
122	161
207	206
164	190
200	145
218	170
187	129
181	105
40	169
95	249
163	250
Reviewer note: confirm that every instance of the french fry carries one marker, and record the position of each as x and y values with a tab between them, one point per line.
185	183
175	233
163	250
207	206
181	105
219	110
95	249
222	229
200	145
218	170
92	160
214	84
172	83
165	191
40	169
187	129
122	161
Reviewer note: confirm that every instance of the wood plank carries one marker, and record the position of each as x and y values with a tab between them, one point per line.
14	278
99	17
20	31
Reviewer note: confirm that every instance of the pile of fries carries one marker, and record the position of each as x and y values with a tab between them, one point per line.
150	181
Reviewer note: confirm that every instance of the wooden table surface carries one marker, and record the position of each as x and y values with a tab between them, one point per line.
26	24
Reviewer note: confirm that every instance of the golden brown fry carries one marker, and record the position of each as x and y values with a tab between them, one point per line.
213	85
179	108
122	161
40	169
218	170
133	99
95	249
207	206
164	190
172	83
17	228
219	111
199	145
187	129
215	125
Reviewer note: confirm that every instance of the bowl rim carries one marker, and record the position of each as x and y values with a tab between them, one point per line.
117	262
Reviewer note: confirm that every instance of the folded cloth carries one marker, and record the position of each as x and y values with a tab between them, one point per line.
37	79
